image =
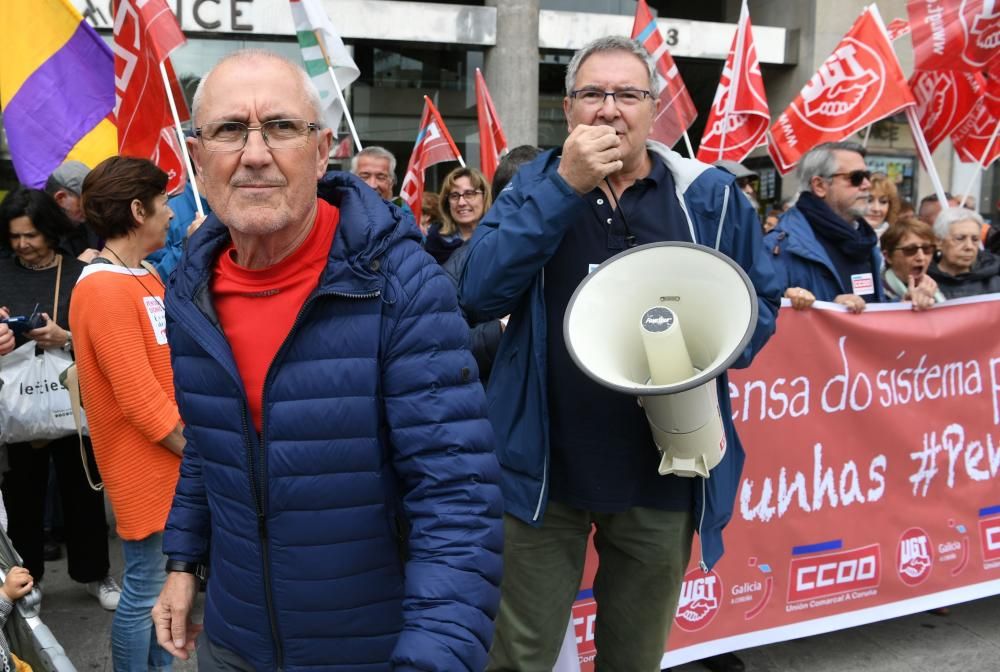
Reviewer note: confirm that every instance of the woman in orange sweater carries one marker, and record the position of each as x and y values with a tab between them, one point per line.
119	328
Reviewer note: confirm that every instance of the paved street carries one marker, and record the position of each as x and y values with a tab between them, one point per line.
967	640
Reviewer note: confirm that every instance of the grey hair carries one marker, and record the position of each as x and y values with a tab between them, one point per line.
376	152
312	94
610	43
950	216
821	161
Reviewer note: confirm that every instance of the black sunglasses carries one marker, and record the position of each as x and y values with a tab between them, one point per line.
911	250
856	177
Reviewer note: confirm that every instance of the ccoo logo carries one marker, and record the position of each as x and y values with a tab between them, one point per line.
845	88
699	600
913	556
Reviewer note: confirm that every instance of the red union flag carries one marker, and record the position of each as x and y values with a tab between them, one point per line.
954	34
993	89
145	33
739	116
897	28
433	145
492	141
677	110
975	135
944	99
860	83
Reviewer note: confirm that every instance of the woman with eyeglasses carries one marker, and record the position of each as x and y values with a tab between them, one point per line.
465	198
908	247
883	204
963	267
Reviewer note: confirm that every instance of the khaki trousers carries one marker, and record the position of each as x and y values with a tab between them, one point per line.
643	556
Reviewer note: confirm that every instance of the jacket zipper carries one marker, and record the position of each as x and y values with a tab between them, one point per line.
258	488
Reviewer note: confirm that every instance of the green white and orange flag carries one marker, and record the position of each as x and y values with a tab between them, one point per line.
326	58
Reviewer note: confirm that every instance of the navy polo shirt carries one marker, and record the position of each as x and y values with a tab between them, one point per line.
602	453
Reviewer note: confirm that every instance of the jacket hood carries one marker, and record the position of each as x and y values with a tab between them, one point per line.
368	226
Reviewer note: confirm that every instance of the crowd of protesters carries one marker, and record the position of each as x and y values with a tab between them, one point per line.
365	460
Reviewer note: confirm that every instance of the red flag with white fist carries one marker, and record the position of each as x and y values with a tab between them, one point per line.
954	34
944	99
677	111
739	116
433	145
145	33
860	83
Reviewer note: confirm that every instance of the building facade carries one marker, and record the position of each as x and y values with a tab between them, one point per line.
408	49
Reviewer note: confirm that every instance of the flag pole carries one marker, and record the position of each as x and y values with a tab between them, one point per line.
981	166
868	132
925	154
180	138
687	143
340	94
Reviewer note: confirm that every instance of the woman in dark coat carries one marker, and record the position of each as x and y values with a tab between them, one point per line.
963	268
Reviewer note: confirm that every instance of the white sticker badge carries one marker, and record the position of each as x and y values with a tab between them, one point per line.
157	318
862	284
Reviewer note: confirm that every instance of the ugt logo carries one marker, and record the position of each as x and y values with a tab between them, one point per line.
913	557
982	30
699	601
845	88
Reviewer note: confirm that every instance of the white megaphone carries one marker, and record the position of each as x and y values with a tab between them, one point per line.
662	322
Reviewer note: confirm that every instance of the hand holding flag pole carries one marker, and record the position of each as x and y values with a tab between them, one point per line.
340	93
180	138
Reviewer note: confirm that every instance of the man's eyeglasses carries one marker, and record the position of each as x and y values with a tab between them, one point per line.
911	250
231	136
856	177
622	98
469	195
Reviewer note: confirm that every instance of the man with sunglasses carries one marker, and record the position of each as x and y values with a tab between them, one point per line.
822	248
338	482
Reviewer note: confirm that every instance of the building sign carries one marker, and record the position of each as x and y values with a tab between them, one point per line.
226	16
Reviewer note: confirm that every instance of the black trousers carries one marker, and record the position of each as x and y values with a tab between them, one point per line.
24	493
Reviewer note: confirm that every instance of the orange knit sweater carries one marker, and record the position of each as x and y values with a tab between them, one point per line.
126	383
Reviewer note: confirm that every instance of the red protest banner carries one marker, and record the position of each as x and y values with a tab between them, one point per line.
433	145
860	83
677	110
944	99
952	35
738	119
973	139
145	33
870	488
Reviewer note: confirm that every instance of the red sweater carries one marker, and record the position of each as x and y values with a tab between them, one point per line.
257	308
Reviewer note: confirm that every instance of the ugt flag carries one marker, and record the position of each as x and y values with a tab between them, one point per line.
976	135
858	84
56	88
145	35
897	28
433	145
677	110
323	50
953	34
492	141
739	116
944	99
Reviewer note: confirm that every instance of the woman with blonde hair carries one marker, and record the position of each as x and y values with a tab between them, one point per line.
465	198
883	203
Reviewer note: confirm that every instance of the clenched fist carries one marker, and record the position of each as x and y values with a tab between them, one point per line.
590	154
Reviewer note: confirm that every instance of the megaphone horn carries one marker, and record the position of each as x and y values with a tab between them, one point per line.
661	322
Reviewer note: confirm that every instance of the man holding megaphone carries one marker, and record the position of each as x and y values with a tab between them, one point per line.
575	453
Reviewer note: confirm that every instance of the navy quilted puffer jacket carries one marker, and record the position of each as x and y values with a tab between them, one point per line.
361	530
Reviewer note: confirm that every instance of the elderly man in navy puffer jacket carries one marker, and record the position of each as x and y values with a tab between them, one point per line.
338	481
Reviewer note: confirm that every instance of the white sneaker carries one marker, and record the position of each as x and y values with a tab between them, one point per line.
107	591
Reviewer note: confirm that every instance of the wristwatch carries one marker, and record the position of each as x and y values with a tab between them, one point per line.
68	345
196	568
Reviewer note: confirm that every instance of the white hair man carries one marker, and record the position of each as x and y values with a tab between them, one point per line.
376	166
338	479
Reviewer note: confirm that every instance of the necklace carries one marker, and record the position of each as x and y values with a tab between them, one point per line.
137	278
38	267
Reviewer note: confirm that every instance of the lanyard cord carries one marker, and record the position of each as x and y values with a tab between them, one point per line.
629	238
